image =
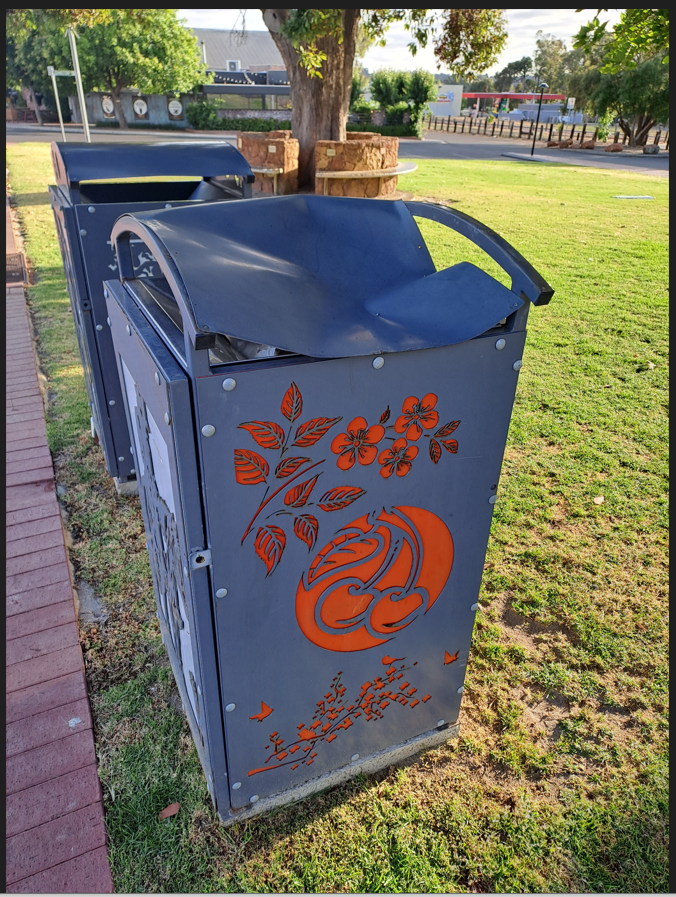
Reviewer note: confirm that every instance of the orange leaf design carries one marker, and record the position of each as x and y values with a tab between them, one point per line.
435	451
292	403
250	468
385	416
447	429
266	433
313	430
306	528
340	497
270	543
450	445
298	496
288	466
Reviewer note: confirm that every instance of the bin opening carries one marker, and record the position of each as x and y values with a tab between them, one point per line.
166	190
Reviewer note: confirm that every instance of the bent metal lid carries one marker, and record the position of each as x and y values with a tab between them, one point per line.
321	276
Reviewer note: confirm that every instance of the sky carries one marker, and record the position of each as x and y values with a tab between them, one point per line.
522	26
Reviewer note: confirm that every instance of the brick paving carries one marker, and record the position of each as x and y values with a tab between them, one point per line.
55	832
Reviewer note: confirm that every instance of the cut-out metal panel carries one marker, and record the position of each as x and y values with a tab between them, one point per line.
348	515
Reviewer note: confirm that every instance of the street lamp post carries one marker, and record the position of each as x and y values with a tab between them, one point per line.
541	87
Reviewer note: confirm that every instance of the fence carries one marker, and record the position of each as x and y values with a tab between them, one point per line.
525	129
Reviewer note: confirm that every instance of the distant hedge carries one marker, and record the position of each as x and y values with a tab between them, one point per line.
409	130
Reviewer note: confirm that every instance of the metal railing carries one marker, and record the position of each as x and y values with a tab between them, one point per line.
509	128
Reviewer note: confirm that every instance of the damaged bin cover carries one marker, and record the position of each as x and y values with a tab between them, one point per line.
323	276
77	162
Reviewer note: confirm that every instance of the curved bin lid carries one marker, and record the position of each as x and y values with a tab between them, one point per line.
320	276
77	162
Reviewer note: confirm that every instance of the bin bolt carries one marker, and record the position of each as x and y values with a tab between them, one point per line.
108	322
461	689
474	607
91	209
208	430
99	326
168	205
128	330
236	785
221	593
229	384
133	470
185	572
354	757
167	418
441	722
157	378
83	232
518	364
105	294
492	499
378	362
111	402
228	709
121	458
500	345
254	798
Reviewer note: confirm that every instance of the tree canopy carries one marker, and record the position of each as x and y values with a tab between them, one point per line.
640	34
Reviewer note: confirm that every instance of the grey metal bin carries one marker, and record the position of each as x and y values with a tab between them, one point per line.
319	422
85	208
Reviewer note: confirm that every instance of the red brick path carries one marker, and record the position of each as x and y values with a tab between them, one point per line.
56	839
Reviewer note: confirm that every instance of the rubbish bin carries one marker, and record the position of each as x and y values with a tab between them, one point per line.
85	207
319	420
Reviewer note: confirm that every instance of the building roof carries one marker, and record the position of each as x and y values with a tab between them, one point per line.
252	49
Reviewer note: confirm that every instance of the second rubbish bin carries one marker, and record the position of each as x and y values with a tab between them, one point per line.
319	419
93	189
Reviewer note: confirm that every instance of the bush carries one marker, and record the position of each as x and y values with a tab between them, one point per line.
395	113
409	130
202	116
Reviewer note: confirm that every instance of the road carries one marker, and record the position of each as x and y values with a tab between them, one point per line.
436	145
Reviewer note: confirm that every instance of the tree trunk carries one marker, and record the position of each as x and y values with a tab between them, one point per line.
319	105
38	114
117	102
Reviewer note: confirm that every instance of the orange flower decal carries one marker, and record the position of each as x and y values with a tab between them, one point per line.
417	414
358	443
398	458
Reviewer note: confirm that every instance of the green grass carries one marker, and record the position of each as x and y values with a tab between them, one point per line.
558	781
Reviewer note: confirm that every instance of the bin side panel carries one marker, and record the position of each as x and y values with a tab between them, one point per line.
348	513
157	411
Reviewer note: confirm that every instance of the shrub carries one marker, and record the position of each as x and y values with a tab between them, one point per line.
202	116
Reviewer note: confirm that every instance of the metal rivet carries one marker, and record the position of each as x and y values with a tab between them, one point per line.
354	757
229	708
168	206
185	572
229	384
121	458
461	689
167	418
199	690
131	449
111	402
105	294
254	798
378	362
236	785
500	345
83	232
133	470
157	378
99	326
108	322
91	209
208	430
128	328
441	722
492	499
221	593
474	607
518	364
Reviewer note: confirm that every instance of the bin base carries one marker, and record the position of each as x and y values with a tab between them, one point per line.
374	763
130	487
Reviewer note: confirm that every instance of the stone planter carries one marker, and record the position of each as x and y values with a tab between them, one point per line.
362	151
271	150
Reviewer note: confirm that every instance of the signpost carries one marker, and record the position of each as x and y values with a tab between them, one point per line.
54	75
78	82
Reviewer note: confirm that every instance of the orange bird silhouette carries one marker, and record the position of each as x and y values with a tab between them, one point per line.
265	712
448	658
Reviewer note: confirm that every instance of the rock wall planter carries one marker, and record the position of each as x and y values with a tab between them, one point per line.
362	151
273	157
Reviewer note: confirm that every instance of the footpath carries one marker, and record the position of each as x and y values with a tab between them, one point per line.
55	832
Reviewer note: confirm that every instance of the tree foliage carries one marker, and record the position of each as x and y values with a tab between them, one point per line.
638	96
470	40
515	72
640	34
397	92
20	21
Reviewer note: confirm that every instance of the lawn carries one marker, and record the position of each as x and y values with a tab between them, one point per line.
559	779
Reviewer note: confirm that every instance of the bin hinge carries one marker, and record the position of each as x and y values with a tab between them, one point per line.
200	557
